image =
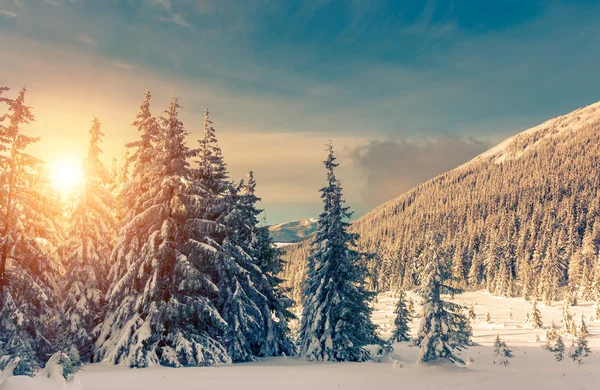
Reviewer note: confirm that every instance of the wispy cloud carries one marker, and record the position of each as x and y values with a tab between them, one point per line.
175	19
84	38
162	3
7	13
53	2
122	65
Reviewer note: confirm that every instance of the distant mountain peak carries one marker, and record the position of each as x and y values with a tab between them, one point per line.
294	231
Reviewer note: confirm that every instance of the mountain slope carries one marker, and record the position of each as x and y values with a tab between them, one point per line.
521	216
293	231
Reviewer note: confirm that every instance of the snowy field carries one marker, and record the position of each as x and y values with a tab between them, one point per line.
531	368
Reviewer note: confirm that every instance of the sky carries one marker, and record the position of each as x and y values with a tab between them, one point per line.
405	89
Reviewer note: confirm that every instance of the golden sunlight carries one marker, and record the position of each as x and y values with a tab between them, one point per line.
66	175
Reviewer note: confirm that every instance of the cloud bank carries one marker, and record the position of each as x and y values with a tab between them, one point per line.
392	167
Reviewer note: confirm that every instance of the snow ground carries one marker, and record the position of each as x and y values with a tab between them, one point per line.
531	368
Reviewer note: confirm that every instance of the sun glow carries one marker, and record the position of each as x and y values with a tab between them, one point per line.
66	175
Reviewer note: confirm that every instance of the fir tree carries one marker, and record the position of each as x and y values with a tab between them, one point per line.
534	317
135	194
583	329
582	346
488	317
336	323
87	250
161	303
443	328
276	313
588	259
502	350
255	311
571	298
459	272
551	275
471	312
212	170
559	349
579	349
401	322
568	325
30	230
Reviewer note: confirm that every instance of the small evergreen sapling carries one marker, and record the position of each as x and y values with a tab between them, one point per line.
583	329
534	317
568	325
488	318
502	350
580	349
559	349
471	312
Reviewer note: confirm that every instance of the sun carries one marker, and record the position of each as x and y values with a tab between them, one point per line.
66	175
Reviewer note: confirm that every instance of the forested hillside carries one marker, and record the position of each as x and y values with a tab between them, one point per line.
522	218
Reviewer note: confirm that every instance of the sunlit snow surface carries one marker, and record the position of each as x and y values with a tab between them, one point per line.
531	368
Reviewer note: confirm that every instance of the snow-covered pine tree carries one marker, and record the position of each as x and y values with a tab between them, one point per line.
551	275
411	307
476	272
502	351
583	329
459	272
575	273
212	170
86	252
401	322
504	280
161	300
268	264
443	328
588	260
568	325
256	313
579	349
250	297
30	230
336	319
136	192
491	262
471	312
571	297
534	317
559	349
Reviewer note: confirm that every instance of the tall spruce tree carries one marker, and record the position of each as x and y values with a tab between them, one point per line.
267	265
162	294
87	250
444	329
256	315
30	230
336	318
134	194
401	322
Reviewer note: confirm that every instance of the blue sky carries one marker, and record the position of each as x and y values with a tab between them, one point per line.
406	89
